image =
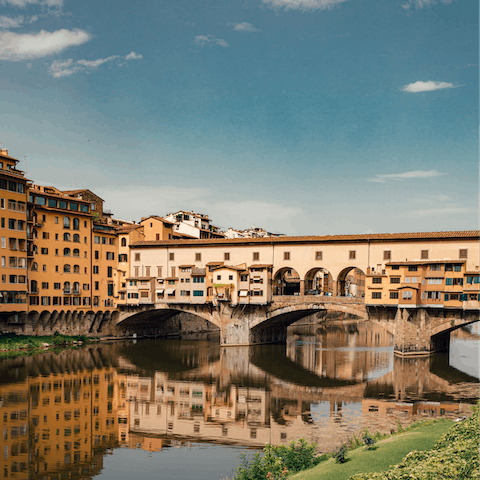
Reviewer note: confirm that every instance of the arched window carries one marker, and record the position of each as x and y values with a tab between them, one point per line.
66	237
124	242
66	222
35	249
34	233
95	301
76	252
66	268
34	266
76	238
76	224
66	252
66	287
33	286
76	287
76	269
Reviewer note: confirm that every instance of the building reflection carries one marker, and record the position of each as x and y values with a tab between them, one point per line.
62	414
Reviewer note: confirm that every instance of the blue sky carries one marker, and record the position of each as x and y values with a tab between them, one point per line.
301	116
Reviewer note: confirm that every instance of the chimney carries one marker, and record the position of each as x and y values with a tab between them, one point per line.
4	151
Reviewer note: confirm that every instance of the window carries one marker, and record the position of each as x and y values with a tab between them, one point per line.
95	269
110	256
387	254
286	255
424	254
66	222
66	268
198	279
407	294
66	237
159	272
219	277
463	253
76	269
76	252
394	295
66	252
352	255
412	268
198	257
137	257
226	256
198	293
395	280
76	238
230	277
377	295
44	251
377	280
96	239
318	255
256	256
76	223
171	256
110	272
434	281
457	268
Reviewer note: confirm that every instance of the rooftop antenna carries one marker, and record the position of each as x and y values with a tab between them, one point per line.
26	165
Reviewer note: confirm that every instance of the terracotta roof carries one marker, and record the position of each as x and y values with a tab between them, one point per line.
57	195
424	262
211	264
472	272
80	190
183	235
126	228
139	278
265	265
230	267
14	174
157	217
186	266
375	237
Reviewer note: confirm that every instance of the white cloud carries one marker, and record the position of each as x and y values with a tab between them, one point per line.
65	68
419	4
430	212
133	56
26	3
15	22
429	86
244	27
210	41
27	46
303	4
406	175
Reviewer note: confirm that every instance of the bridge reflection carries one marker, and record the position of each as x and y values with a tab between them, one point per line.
62	413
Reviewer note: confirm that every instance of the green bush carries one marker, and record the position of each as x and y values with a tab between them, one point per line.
455	456
278	462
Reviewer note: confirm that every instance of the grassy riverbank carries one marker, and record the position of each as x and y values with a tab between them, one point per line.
12	345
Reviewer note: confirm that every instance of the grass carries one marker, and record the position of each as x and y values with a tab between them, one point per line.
385	454
12	345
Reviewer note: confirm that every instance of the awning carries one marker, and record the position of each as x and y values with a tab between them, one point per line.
170	291
243	293
160	291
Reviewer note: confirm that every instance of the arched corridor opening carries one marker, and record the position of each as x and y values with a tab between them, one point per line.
351	283
286	282
318	281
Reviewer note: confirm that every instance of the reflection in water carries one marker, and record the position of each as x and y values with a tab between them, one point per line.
62	413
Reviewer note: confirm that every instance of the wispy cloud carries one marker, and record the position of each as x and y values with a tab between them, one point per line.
26	3
15	47
419	4
430	212
65	68
208	40
16	22
429	86
406	175
244	27
303	4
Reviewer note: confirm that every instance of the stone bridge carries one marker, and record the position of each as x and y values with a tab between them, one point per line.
247	324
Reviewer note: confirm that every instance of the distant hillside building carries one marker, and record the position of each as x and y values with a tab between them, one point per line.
194	224
254	232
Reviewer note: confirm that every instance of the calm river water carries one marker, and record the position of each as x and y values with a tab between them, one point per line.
172	409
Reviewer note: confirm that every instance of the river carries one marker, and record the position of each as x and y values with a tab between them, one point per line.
179	409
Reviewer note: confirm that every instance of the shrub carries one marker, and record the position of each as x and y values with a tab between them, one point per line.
340	454
278	462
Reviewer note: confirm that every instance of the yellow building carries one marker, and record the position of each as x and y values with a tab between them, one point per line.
13	228
59	251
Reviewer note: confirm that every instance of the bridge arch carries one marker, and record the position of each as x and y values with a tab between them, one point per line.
351	282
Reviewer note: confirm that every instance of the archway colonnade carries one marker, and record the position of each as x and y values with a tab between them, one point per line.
349	282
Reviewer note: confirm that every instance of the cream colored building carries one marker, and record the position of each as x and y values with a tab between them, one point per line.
345	265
